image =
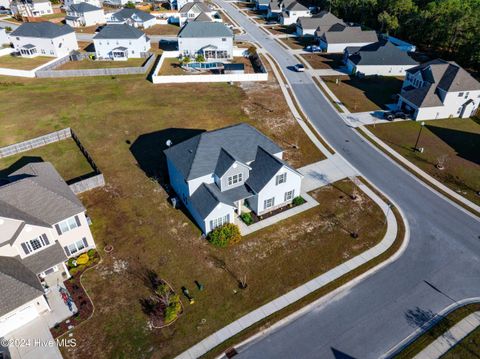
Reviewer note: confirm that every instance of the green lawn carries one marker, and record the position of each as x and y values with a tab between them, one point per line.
364	94
455	142
97	64
124	123
23	63
64	155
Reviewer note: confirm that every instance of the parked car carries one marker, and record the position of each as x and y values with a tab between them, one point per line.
313	48
392	115
299	68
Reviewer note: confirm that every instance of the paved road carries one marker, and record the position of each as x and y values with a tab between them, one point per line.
441	264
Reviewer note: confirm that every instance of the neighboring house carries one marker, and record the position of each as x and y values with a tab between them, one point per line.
42	224
69	3
262	5
120	42
31	8
213	40
381	58
43	39
132	17
84	14
292	12
178	4
4	36
218	173
439	89
321	22
192	10
339	37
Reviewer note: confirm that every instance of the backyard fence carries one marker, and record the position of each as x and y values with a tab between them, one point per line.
51	72
77	185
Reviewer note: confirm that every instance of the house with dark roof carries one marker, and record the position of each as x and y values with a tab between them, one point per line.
192	11
275	8
132	17
340	36
31	8
84	14
43	39
292	11
381	58
69	3
324	20
213	40
120	42
42	224
439	89
220	174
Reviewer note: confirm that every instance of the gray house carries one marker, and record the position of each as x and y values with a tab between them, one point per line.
220	174
320	23
132	17
339	37
213	40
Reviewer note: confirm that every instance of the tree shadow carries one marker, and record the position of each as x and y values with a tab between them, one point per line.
341	355
418	317
168	45
380	90
466	144
23	161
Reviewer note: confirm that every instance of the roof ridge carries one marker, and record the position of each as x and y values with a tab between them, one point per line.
17	279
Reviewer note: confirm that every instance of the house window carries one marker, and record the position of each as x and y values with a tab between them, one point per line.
459	110
268	203
224	39
67	225
234	179
75	247
220	221
289	195
35	244
460	94
281	178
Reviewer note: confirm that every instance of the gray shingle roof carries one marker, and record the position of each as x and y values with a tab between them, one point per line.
323	18
224	162
198	29
349	34
203	7
381	53
263	169
126	14
18	284
202	17
425	96
295	6
199	155
44	29
38	195
45	259
119	31
84	7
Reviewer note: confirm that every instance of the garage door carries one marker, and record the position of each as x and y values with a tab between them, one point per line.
17	319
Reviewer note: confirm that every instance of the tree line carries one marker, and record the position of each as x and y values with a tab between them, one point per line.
446	28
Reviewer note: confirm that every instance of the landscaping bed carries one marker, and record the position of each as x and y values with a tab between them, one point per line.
455	143
23	63
250	218
323	61
100	64
368	93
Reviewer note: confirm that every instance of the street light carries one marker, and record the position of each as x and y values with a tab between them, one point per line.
422	124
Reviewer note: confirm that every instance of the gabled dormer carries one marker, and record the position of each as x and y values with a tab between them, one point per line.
230	172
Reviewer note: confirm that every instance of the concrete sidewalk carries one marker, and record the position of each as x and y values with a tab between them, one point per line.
451	337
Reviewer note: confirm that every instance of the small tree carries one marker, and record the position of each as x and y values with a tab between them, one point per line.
224	235
130	5
186	60
200	58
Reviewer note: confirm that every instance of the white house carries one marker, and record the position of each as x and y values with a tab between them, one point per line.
190	11
380	58
439	89
120	42
178	4
321	22
213	40
69	3
292	12
43	39
42	224
84	14
4	39
31	8
218	173
132	17
339	36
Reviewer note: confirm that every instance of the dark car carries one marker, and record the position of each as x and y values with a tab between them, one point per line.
392	115
271	22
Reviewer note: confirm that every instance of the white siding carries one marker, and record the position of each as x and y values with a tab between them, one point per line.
191	46
334	48
22	315
380	70
57	47
104	47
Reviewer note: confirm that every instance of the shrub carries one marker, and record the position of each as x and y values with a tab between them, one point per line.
200	58
173	309
186	60
83	259
8	28
91	253
130	5
223	235
73	271
247	218
72	263
297	201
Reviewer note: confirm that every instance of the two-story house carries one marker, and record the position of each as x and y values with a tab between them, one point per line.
43	39
217	173
340	36
213	40
190	11
120	42
132	17
31	8
439	89
321	22
42	224
291	13
69	3
84	14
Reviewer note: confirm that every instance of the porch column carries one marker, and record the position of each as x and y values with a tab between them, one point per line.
239	207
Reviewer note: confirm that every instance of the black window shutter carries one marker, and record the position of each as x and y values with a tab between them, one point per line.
77	220
59	231
66	250
25	248
45	239
85	243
